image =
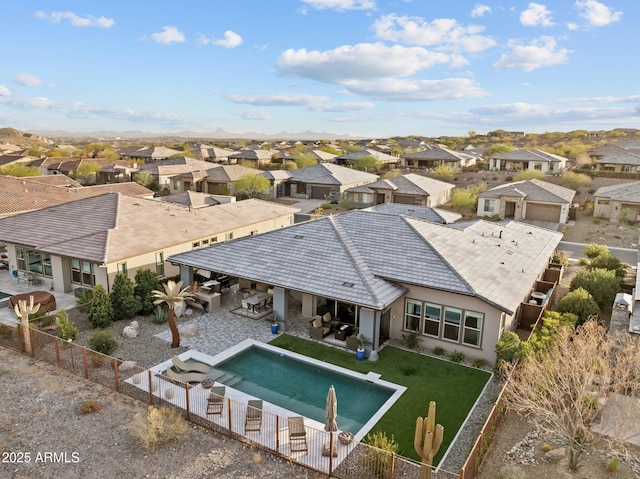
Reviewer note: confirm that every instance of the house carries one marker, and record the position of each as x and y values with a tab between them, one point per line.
618	203
527	200
87	242
220	180
194	199
349	159
167	173
153	153
616	148
260	157
70	166
409	189
459	286
215	154
325	181
19	195
532	159
278	179
626	162
434	156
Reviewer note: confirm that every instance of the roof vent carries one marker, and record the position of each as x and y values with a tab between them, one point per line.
346	284
298	237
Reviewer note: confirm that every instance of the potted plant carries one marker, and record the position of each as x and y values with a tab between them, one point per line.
274	324
361	341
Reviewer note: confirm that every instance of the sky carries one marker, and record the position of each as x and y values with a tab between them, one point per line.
366	68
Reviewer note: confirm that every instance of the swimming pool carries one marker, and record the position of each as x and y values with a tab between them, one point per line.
300	384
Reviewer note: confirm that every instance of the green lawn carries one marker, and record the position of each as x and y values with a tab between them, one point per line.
455	388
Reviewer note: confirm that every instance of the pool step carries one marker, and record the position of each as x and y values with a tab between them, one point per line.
229	379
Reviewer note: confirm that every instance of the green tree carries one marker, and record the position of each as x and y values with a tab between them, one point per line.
594	250
86	172
19	170
66	329
146	282
576	181
507	348
444	173
124	303
101	312
580	303
463	199
601	257
529	175
602	284
498	148
305	159
252	186
366	163
146	179
549	330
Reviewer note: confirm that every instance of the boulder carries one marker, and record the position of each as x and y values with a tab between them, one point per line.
128	332
135	325
127	365
179	309
555	455
189	331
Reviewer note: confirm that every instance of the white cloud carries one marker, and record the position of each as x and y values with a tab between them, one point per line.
168	35
231	40
27	79
572	26
542	52
30	103
597	14
340	5
4	91
342	107
396	89
444	33
364	61
75	20
479	10
605	99
258	114
537	15
310	102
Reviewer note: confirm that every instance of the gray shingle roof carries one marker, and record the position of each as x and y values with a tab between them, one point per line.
625	192
378	155
412	184
529	155
438	153
426	213
330	174
532	190
626	158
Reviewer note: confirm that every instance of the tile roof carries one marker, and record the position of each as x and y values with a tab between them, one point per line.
330	174
625	158
532	190
529	155
175	166
426	213
349	257
230	172
113	227
253	155
55	180
190	198
623	192
412	184
152	153
438	153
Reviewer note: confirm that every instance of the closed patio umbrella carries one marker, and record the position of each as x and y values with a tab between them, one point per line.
331	411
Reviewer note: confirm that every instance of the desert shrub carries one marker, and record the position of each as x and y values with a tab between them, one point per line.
103	342
478	362
594	250
66	329
509	178
158	426
575	181
101	312
610	262
7	332
411	340
560	257
602	284
444	173
160	314
529	175
547	447
549	331
456	356
580	303
123	301
507	348
146	281
89	406
438	351
378	457
85	298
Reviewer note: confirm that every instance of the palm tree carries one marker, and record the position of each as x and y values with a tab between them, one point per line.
173	296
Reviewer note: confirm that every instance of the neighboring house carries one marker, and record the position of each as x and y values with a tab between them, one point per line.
409	189
528	160
616	148
435	156
460	286
434	215
625	162
261	157
220	180
278	179
19	195
527	200
349	159
167	173
69	166
319	155
115	233
215	154
325	181
153	153
618	202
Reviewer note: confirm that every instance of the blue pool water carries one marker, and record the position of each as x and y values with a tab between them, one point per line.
302	387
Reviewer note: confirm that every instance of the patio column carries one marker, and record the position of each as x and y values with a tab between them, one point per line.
186	276
369	326
281	306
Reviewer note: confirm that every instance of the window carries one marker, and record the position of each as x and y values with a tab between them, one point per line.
214	239
452	317
122	268
603	202
412	315
228	236
432	313
472	328
33	261
196	244
20	256
490	206
160	264
82	272
205	242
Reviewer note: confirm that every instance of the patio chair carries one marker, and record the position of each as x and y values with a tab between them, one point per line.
297	434
245	308
253	419
260	306
215	401
197	367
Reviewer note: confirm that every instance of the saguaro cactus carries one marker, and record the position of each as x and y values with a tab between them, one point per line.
427	440
22	312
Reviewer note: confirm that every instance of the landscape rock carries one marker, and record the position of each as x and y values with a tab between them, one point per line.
128	332
134	324
127	366
190	331
555	455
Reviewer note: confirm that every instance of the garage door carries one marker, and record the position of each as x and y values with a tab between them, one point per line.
543	212
320	192
404	199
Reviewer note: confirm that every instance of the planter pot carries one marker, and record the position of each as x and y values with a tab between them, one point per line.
360	354
274	328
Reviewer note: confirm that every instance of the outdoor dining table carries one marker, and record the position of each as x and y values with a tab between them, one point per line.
255	299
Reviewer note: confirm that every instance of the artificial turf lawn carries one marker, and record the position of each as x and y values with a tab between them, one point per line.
453	387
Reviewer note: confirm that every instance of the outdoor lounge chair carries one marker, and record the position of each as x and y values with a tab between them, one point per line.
190	367
318	329
253	419
297	434
186	377
215	401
